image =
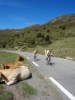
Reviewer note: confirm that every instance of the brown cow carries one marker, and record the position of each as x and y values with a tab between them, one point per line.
20	58
12	65
12	76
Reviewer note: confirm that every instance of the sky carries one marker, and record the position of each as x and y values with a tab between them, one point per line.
18	14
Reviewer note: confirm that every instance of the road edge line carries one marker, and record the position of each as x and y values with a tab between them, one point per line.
62	89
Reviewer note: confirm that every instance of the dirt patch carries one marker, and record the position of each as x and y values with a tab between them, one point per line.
69	58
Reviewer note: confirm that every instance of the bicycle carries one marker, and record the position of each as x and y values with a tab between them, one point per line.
48	60
35	57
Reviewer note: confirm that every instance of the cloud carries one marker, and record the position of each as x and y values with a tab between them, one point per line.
22	20
11	3
29	23
18	19
8	3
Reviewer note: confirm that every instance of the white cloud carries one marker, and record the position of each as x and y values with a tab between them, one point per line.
11	3
8	3
22	20
29	23
17	19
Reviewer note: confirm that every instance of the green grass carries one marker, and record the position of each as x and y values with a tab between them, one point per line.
7	57
67	48
27	90
6	96
1	87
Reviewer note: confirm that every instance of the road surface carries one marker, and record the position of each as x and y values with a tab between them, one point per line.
60	73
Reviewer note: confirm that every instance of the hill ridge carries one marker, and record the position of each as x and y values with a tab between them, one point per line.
52	31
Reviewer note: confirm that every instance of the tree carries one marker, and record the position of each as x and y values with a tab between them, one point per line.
23	34
44	28
48	30
33	42
39	35
42	35
4	45
17	35
62	27
47	38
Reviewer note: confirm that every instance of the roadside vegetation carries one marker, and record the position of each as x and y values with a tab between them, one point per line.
27	90
6	96
67	48
58	32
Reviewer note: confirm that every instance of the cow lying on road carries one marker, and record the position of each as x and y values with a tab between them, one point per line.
12	76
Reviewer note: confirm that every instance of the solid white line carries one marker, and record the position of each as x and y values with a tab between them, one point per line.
28	58
62	89
35	63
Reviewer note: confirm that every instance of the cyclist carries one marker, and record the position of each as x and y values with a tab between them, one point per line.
35	54
48	54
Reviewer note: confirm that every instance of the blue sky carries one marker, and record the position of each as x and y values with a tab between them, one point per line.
17	14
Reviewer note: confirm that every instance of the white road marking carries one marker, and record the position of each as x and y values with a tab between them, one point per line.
62	89
35	63
28	58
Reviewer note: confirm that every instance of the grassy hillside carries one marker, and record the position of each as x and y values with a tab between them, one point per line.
60	30
52	31
67	48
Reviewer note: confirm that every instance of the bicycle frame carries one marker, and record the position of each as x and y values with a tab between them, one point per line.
48	60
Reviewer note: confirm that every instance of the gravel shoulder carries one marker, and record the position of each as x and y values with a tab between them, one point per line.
44	90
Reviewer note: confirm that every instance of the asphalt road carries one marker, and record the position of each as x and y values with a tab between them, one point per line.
60	73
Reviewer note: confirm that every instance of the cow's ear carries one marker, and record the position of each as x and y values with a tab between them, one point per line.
3	64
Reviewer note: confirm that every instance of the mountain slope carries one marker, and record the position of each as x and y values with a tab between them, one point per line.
54	30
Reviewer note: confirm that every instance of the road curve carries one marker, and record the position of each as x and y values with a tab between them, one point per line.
60	73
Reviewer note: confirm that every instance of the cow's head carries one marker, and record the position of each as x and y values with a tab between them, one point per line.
5	66
20	58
